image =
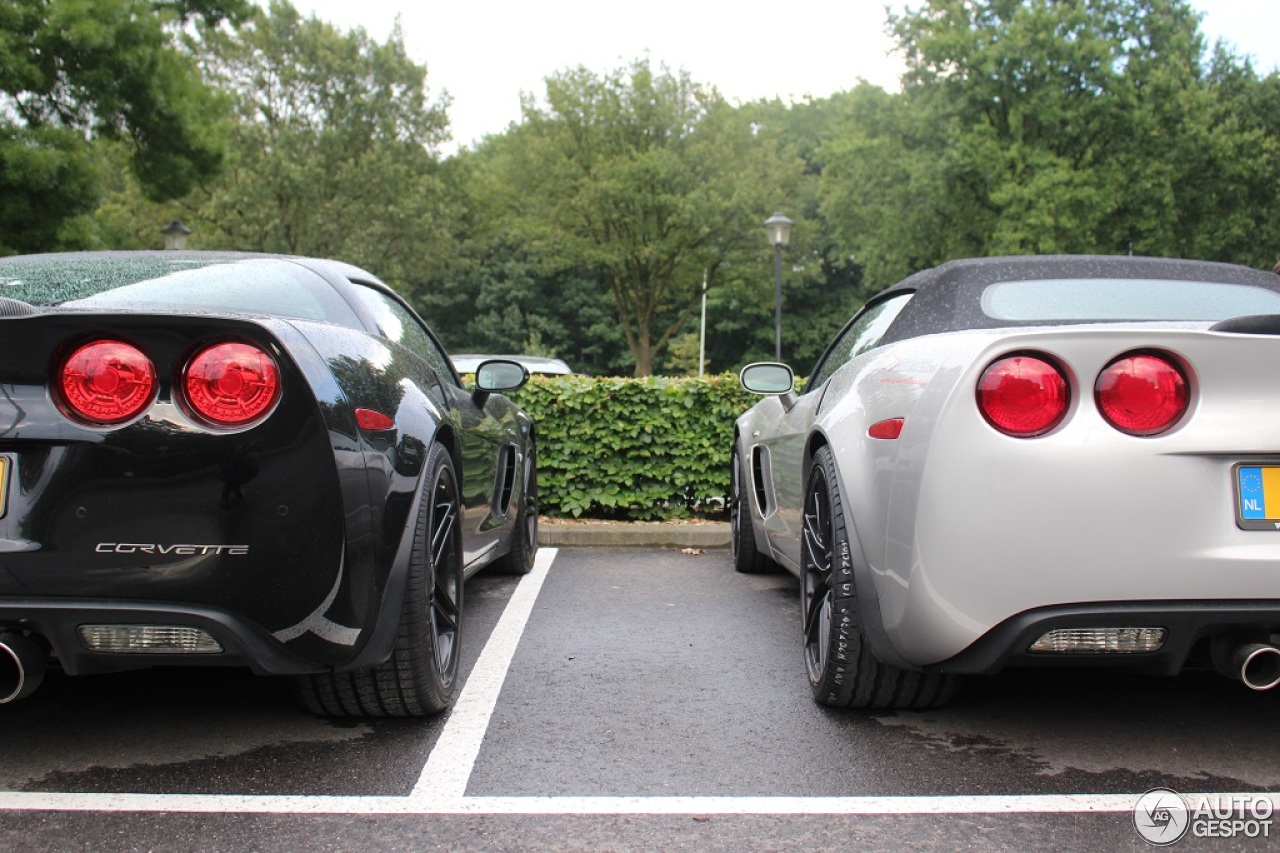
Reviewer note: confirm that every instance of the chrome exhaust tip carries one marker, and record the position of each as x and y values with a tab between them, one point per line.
1257	665
22	665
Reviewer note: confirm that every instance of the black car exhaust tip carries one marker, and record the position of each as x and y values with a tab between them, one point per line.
1257	665
22	665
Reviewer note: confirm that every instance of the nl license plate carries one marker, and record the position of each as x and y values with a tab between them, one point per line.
1258	497
5	464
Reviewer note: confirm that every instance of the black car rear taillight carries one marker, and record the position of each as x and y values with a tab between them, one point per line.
230	384
106	382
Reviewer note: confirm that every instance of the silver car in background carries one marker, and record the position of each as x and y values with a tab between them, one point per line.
536	365
1026	461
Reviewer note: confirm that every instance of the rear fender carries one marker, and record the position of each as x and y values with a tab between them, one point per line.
353	371
867	594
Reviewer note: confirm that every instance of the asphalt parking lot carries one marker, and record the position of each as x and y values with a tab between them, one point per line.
624	698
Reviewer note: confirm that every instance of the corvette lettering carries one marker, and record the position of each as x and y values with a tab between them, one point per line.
163	550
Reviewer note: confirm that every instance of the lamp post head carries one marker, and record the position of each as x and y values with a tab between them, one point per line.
175	235
778	228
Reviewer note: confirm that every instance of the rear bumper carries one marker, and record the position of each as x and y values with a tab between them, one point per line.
1189	624
243	643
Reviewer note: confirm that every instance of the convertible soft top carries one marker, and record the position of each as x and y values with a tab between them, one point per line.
948	298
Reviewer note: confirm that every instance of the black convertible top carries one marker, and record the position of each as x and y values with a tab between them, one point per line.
948	297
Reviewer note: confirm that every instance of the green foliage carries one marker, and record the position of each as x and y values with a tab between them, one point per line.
496	298
642	181
639	449
72	72
1052	126
586	230
332	154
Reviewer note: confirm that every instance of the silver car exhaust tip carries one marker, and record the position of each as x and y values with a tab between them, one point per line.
22	665
1257	665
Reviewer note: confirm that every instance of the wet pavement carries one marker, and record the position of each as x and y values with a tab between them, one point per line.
654	676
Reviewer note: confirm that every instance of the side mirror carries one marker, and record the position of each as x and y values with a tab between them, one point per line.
772	379
767	378
498	376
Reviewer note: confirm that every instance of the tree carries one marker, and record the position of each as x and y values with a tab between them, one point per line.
646	180
1049	126
333	152
74	72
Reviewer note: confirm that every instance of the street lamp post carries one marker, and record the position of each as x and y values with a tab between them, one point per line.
702	330
175	235
778	228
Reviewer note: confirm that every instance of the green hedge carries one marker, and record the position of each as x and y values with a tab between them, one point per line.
638	449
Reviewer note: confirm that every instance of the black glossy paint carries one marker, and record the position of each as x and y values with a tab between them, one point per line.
287	541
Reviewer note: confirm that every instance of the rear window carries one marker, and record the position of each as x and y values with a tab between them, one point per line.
260	286
1124	299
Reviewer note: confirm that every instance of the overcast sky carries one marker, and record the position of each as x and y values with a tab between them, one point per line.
486	52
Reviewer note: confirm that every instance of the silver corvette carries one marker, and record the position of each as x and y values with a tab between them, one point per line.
1026	461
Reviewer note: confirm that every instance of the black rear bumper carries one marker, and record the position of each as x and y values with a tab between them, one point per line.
243	643
1188	623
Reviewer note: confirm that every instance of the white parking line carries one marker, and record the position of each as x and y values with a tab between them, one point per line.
444	779
441	788
565	806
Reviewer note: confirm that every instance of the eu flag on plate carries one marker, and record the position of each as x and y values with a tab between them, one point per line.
1259	490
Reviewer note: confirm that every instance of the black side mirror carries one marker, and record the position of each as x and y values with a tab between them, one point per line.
497	376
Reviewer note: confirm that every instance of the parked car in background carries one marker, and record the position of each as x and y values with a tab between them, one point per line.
230	459
536	365
1034	461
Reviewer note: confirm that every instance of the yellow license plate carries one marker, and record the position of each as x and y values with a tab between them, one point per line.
4	485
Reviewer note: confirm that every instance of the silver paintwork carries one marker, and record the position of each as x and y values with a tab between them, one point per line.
961	527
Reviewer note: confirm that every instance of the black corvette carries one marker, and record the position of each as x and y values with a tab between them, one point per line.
246	460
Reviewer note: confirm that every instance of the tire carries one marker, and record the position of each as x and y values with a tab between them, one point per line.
420	677
524	534
842	670
746	556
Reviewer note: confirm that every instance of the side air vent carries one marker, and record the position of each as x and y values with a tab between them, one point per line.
759	479
506	480
1261	324
16	308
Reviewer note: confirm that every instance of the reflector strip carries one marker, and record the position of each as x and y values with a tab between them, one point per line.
1099	641
148	639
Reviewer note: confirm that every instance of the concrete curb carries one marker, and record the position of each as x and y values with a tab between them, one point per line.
605	534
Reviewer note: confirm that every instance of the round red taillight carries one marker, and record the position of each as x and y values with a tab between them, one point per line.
107	382
1023	395
231	384
1142	394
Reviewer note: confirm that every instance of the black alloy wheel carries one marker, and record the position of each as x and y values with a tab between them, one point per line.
420	677
842	670
444	560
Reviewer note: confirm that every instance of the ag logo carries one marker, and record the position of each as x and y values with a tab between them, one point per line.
1161	816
